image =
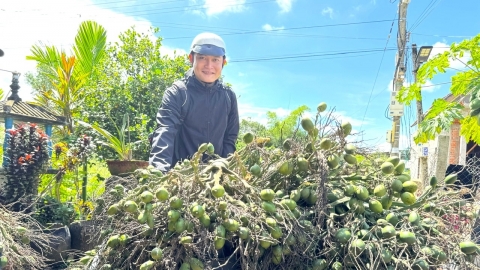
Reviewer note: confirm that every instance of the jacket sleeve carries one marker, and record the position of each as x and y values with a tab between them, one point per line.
233	127
168	123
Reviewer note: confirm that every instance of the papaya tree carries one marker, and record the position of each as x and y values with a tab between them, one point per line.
467	82
67	75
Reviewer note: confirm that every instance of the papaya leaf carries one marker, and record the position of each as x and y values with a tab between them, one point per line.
474	85
438	118
470	129
432	67
407	94
461	82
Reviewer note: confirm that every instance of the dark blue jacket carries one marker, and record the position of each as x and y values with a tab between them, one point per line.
210	115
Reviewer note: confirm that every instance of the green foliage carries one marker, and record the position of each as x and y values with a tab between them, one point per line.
470	129
131	80
64	77
120	142
70	188
438	118
41	83
89	47
467	82
276	130
49	210
254	127
279	129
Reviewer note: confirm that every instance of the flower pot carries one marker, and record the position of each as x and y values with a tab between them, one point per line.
123	167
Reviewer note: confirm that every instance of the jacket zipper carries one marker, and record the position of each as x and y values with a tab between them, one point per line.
209	97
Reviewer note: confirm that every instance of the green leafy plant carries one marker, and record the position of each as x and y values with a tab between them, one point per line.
120	143
50	210
463	83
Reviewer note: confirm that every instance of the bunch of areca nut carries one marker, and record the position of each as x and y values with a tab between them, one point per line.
317	202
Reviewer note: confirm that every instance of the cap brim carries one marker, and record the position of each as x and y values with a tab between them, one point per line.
208	49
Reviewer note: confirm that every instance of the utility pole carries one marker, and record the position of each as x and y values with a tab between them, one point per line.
396	108
418	57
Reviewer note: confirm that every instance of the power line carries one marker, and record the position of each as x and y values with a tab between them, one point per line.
107	3
272	32
308	55
294	28
444	36
378	70
430	7
326	58
167	10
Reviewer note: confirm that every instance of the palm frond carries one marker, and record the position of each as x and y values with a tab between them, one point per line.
89	46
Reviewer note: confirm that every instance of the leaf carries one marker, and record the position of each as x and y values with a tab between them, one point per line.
89	48
117	143
432	67
408	94
438	118
462	82
470	129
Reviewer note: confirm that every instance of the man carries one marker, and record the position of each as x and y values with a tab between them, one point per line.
198	109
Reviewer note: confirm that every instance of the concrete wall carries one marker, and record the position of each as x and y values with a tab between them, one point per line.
438	154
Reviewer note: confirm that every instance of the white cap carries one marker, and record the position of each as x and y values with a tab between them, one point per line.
208	44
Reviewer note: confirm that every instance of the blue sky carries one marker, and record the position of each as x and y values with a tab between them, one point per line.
282	53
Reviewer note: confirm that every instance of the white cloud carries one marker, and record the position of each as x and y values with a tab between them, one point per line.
172	52
218	6
268	27
53	22
259	114
241	74
285	5
328	11
341	117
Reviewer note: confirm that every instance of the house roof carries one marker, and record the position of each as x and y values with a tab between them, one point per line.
29	112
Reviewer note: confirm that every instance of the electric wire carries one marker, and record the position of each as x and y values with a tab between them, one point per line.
430	7
176	9
378	70
326	58
258	59
442	36
271	33
294	28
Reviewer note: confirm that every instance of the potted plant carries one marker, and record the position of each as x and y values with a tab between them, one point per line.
123	147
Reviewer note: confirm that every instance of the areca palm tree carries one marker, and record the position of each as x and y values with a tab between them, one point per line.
68	75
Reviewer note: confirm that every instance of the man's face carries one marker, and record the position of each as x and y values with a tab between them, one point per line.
207	68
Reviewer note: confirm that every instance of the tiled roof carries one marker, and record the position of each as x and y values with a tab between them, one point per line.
28	112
